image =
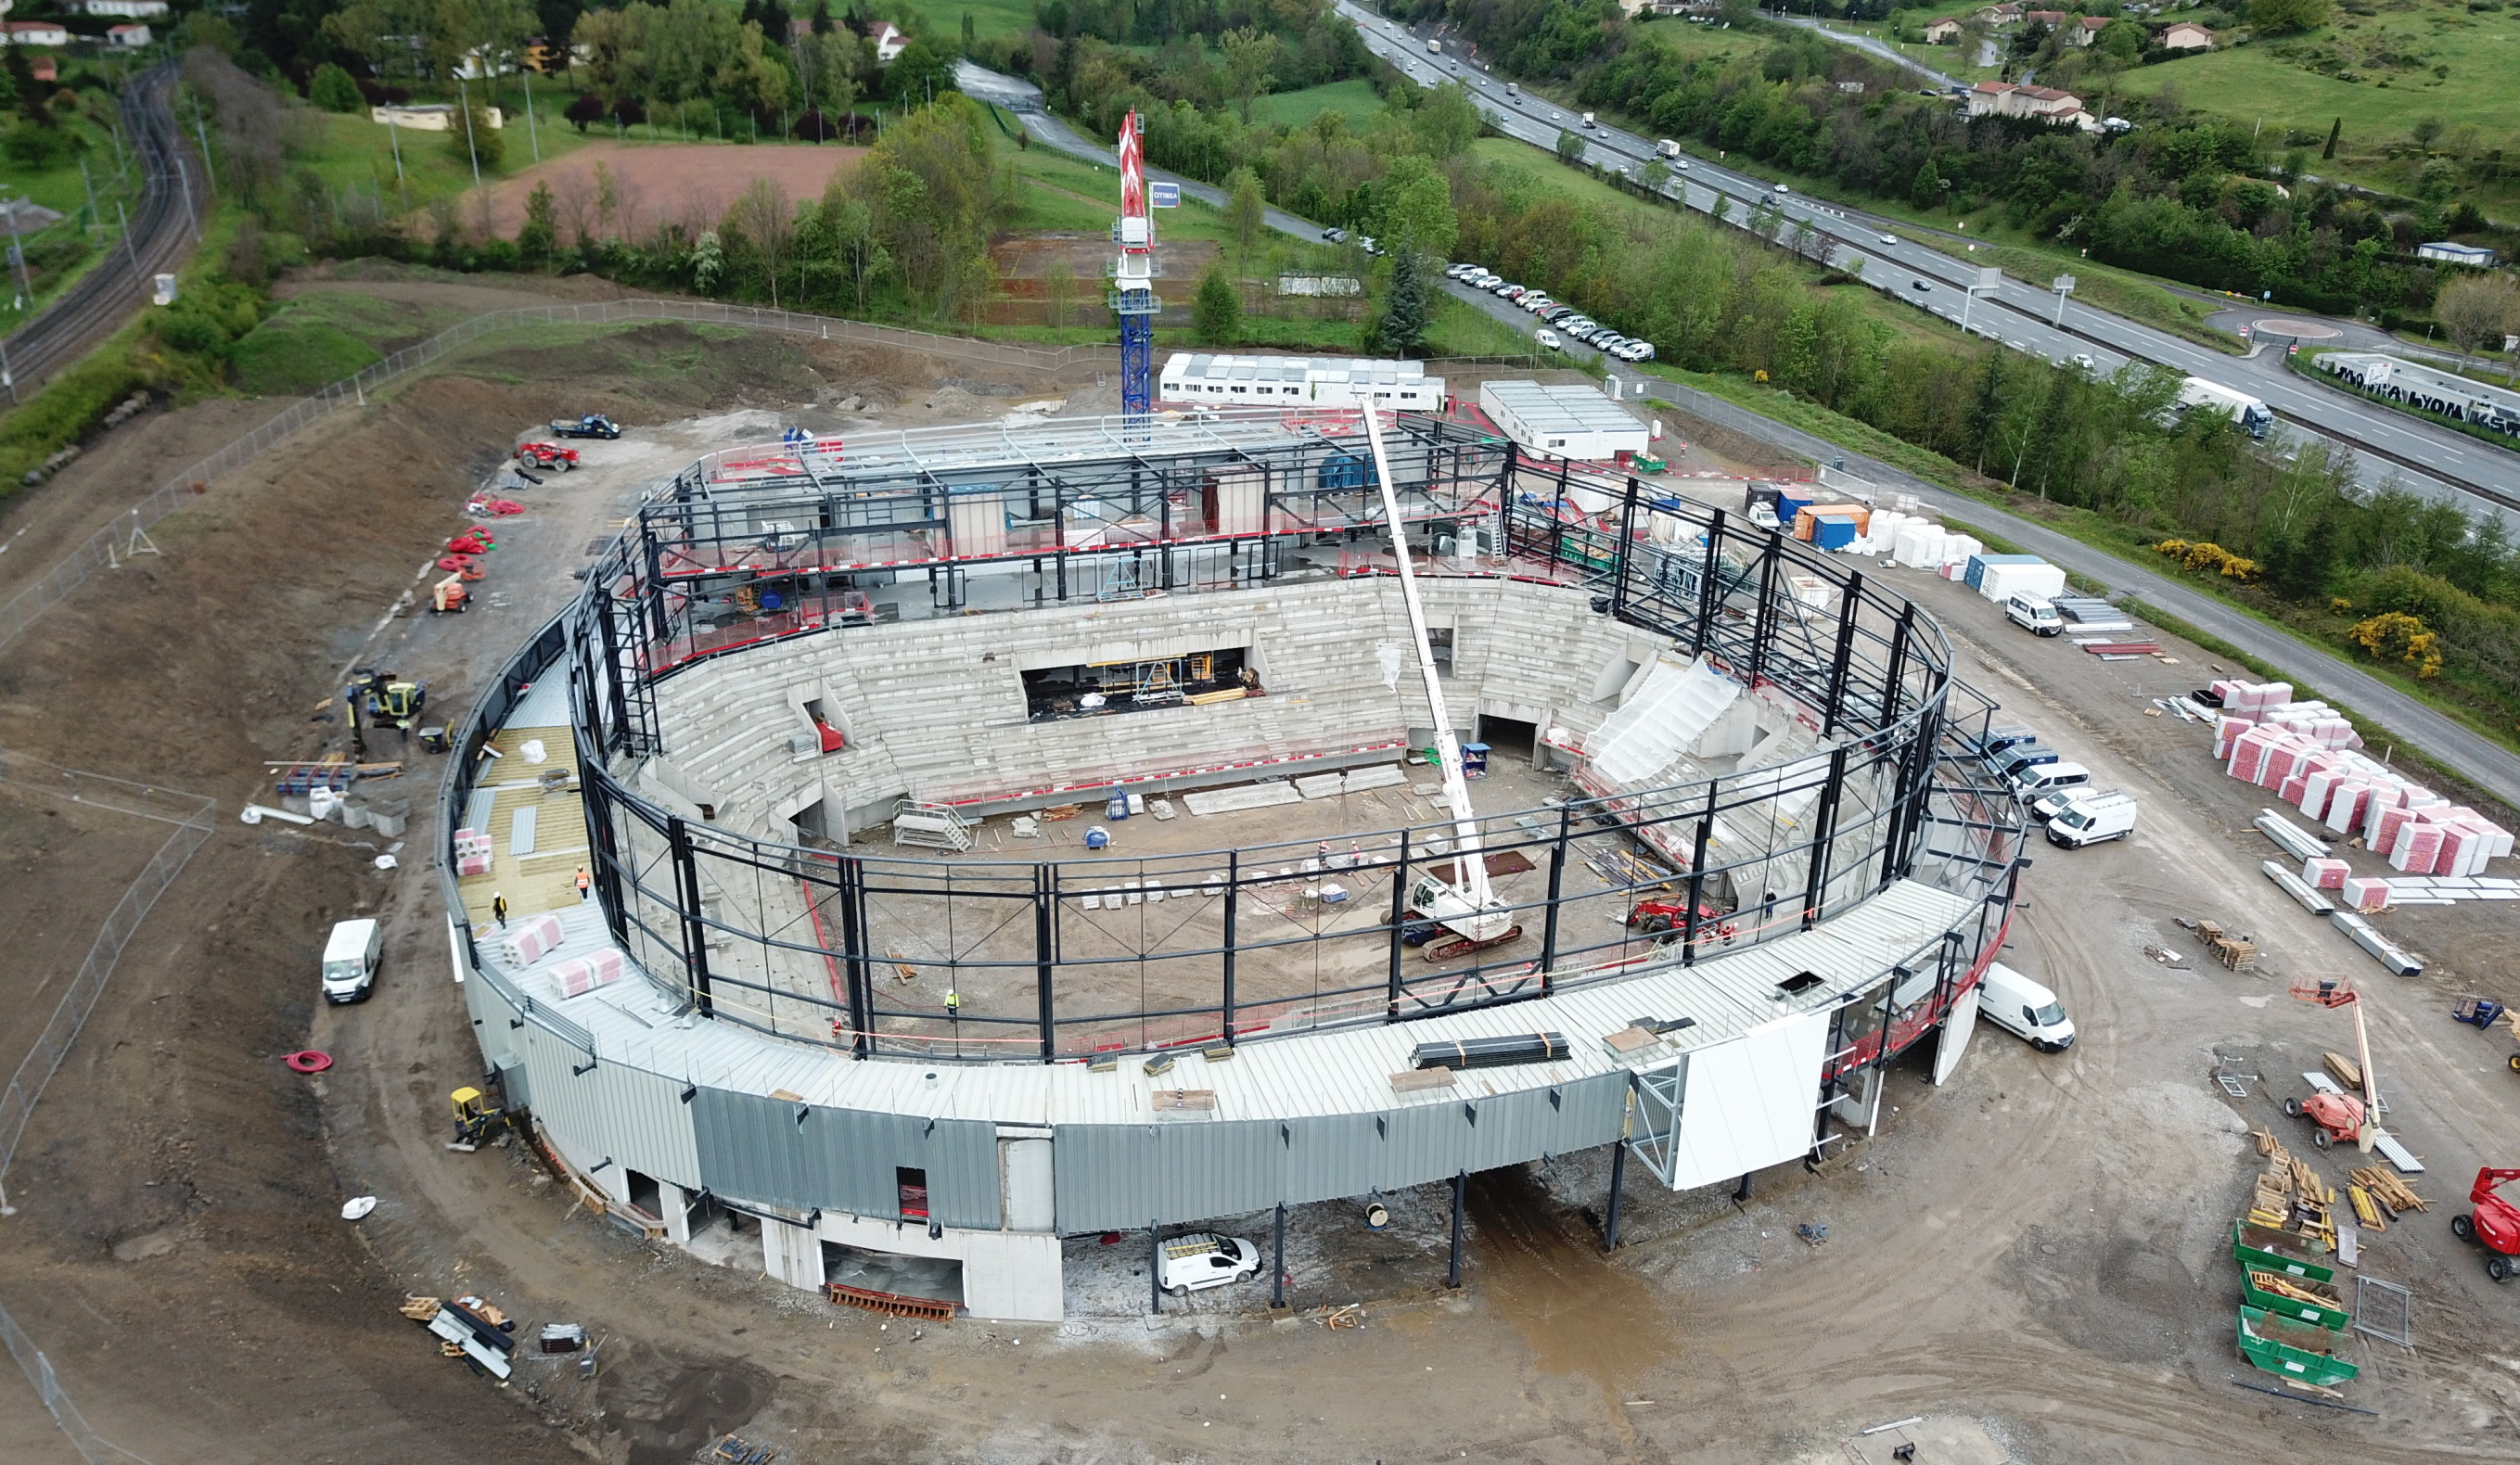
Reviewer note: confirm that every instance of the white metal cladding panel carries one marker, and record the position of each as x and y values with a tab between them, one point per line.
1749	1104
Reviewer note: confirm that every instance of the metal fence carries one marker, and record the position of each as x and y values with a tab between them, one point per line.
192	815
92	1447
109	545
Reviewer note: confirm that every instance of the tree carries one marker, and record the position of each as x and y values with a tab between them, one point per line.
763	215
1447	121
1216	315
1414	199
1404	307
539	235
470	140
971	36
588	107
1570	147
1926	191
2425	129
31	92
334	89
1653	175
447	32
2286	16
1249	53
1246	210
2335	130
2476	311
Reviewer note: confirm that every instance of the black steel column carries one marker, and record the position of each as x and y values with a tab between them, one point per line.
1277	1261
1698	876
1399	916
1828	714
1453	1269
1045	917
1232	895
1618	1181
1741	1192
1824	833
1706	584
1557	882
1890	681
853	964
687	894
1763	623
1619	560
1155	1267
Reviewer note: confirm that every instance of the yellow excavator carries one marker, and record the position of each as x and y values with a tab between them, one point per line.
380	699
477	1119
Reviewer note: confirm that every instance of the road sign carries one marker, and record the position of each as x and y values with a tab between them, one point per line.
1164	194
1990	276
2061	283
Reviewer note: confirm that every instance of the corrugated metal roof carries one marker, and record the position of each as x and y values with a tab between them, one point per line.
1560	409
1313	1074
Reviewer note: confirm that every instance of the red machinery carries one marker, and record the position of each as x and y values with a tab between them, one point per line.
547	455
1654	917
2338	1116
2495	1223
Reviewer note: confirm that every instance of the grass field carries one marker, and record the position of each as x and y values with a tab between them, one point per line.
1354	98
352	155
990	18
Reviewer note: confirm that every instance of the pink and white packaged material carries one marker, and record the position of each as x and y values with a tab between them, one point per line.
2292	789
471	853
585	974
2249	754
2227	732
2364	893
2345	805
2463	847
527	942
2324	874
2417	847
2314	790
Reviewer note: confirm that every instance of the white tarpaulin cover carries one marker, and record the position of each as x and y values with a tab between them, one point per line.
1670	711
1957	1025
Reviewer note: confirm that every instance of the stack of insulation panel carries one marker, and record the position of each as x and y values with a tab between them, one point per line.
2415	829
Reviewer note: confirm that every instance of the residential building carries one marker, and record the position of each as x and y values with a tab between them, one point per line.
130	10
2053	19
2087	29
429	117
1942	30
2000	14
2454	253
37	33
889	41
2186	36
2004	98
129	37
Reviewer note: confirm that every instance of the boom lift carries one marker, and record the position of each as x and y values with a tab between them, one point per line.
1466	906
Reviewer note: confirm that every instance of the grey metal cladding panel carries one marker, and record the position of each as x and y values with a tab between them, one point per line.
961	1158
1334	1156
648	1125
1219	1168
1106	1176
749	1150
850	1160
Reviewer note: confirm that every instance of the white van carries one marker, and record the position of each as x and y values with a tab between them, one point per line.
2090	818
2047	777
2034	614
2024	1008
1206	1258
350	956
1588	120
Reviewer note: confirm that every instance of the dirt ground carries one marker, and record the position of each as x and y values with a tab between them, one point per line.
2030	1259
685	182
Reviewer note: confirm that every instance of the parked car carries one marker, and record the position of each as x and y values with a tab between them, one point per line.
591	424
1334	236
1200	1260
1549	339
1370	248
2024	1008
2047	777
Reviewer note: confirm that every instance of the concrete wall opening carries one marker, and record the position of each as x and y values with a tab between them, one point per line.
644	1194
911	1187
1507	736
1098	689
934	1278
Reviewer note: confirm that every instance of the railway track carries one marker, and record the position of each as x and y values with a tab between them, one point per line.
161	235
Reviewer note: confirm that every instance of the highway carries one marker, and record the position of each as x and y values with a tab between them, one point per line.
161	235
2431	460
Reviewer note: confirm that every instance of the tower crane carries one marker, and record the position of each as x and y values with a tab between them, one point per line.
1466	906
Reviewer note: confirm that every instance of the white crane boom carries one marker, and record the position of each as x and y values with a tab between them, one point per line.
1472	909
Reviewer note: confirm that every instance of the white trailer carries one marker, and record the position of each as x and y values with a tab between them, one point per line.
2253	415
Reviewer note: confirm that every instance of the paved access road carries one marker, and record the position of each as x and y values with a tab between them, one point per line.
161	234
2491	767
2024	315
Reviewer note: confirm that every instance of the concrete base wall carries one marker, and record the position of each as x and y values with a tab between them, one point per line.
1013	1275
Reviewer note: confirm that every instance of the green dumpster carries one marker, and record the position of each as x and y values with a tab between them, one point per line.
2294	1299
2292	1349
2256	1246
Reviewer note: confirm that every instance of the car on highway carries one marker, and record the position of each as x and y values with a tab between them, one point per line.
1781	187
1682	165
1918	285
2083	360
1549	339
1558	116
1890	238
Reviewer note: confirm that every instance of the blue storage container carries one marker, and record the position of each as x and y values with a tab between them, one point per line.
1791	503
1978	562
1832	531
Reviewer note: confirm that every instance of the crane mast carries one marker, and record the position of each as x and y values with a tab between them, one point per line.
1467	906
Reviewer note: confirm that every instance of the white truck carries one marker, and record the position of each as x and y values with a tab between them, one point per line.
2253	415
1666	148
1434	48
2090	818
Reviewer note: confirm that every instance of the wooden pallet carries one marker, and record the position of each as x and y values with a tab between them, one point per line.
889	1304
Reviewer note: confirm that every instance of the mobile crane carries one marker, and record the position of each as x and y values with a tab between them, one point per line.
1466	906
